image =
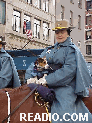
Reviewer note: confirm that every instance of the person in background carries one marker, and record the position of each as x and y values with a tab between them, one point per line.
70	81
8	73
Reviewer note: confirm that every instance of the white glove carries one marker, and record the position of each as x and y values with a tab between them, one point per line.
42	81
32	80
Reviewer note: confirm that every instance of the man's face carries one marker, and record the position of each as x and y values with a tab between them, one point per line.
61	35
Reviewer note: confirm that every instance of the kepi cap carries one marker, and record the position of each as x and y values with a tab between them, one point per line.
62	24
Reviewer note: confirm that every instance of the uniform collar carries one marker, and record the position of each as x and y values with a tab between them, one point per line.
67	42
2	50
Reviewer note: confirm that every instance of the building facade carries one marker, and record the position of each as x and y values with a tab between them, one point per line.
74	11
41	15
88	30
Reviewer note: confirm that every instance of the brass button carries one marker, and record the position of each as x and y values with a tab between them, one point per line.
49	58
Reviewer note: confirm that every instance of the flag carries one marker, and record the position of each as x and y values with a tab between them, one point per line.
27	29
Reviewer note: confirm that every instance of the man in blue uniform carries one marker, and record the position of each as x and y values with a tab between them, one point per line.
8	73
68	82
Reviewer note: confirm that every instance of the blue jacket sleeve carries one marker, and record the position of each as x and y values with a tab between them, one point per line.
29	71
43	53
5	73
64	75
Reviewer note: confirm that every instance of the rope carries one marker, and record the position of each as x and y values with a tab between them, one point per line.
47	112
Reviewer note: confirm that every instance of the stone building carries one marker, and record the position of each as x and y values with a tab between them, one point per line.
74	11
88	30
41	15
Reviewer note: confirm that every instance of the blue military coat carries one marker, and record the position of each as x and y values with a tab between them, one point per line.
8	72
68	82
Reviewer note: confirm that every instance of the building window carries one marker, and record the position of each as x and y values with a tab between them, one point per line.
79	43
80	4
71	1
89	4
62	12
37	25
46	5
88	20
53	2
16	21
88	34
38	3
26	19
29	1
71	18
2	12
79	22
45	31
72	39
88	49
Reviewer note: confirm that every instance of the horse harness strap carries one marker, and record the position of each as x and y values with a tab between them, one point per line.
20	104
46	104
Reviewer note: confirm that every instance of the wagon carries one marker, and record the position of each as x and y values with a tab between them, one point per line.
23	58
